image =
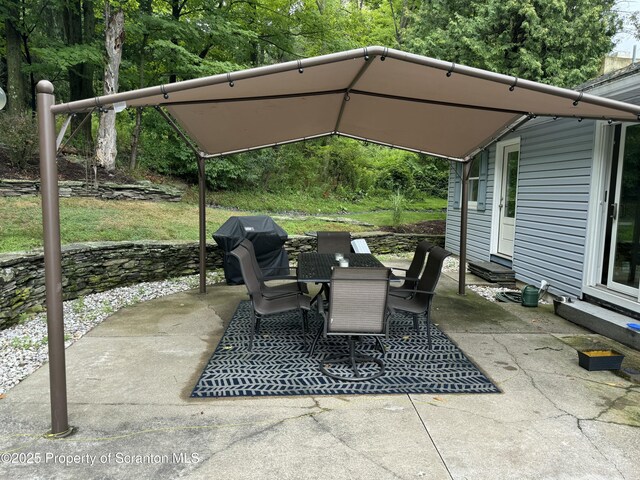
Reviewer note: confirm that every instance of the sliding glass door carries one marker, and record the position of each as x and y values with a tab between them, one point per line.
624	212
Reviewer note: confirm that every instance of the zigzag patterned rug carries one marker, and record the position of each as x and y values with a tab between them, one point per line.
279	365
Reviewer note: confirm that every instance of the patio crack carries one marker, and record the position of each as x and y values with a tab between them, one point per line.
269	427
584	434
530	378
350	448
318	410
560	409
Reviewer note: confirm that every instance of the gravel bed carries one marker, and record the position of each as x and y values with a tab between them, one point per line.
23	347
452	264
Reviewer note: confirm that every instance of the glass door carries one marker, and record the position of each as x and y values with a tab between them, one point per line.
624	255
508	190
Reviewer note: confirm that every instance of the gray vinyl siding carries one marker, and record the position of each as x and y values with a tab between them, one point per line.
479	223
553	199
556	160
552	203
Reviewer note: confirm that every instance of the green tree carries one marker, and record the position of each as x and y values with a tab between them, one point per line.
553	41
15	79
79	24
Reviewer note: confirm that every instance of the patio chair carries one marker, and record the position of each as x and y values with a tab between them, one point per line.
412	274
334	242
279	288
265	302
357	307
420	301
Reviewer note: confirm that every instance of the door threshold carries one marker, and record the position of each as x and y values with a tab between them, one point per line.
501	260
612	300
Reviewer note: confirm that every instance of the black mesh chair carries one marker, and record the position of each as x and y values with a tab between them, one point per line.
357	307
277	288
420	301
334	242
266	302
412	274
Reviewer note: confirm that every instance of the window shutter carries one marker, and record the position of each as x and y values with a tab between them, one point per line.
457	184
482	180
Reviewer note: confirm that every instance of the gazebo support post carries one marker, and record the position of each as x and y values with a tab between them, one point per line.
464	214
52	260
202	208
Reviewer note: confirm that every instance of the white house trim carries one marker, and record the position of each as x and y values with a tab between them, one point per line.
495	211
596	214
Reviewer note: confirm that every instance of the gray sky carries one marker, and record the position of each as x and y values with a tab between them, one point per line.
625	40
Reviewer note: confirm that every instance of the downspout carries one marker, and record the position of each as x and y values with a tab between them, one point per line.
52	260
464	213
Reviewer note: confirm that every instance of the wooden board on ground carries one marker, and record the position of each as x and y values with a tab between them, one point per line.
492	272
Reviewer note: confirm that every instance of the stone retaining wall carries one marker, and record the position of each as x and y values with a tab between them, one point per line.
96	267
106	190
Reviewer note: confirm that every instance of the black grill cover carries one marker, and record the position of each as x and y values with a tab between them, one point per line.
268	239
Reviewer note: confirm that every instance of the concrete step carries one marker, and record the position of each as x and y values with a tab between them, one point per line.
600	320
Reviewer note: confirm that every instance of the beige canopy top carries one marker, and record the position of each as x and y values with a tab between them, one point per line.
376	94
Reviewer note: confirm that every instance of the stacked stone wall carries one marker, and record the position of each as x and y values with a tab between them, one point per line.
95	267
108	191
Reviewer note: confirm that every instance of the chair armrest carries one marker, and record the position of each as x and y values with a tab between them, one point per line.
273	296
397	279
399	268
403	280
282	268
281	277
412	291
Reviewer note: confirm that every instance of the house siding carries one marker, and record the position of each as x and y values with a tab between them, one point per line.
479	222
552	203
553	200
554	232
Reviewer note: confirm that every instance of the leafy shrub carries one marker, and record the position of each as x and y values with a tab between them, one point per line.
397	176
398	203
330	166
432	177
19	137
162	151
227	173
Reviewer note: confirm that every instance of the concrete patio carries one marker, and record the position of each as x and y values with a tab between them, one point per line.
130	378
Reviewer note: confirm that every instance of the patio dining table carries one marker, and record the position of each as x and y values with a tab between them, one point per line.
316	267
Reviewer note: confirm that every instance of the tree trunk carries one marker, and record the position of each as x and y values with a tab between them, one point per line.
88	35
15	80
135	138
145	9
106	149
32	78
79	27
176	12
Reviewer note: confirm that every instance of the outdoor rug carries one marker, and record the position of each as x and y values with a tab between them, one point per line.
279	365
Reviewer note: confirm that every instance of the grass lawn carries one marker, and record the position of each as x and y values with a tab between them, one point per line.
312	204
88	219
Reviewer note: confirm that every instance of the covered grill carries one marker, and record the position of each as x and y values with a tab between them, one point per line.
268	240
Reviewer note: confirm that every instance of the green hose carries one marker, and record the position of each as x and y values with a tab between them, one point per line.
515	297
